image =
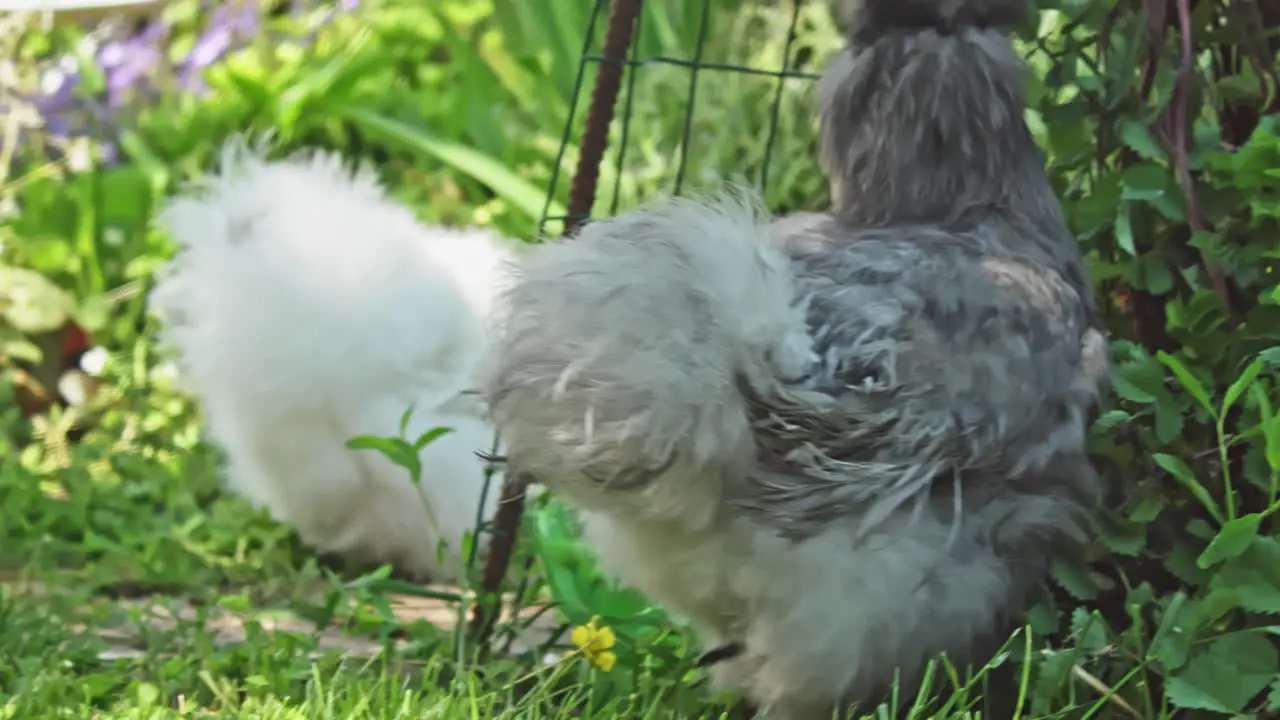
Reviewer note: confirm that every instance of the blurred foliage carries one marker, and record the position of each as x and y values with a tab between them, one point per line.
1159	118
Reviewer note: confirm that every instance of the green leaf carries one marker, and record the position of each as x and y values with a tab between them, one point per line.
429	437
1168	618
1110	420
562	560
394	449
1272	433
1149	507
1156	276
1089	630
321	83
31	303
1168	420
404	420
16	347
1179	469
93	313
484	168
1131	392
388	446
1253	578
1188	381
1140	140
1124	229
1074	577
1232	540
1180	561
1171	644
1241	384
1268	423
1226	678
1122	536
1145	182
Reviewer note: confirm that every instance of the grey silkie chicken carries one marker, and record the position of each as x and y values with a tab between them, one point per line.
838	444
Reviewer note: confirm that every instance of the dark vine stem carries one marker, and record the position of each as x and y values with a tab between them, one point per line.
1178	119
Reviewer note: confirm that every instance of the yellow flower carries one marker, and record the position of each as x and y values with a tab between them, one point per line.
594	642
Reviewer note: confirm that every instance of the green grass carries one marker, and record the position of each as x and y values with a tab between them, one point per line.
131	586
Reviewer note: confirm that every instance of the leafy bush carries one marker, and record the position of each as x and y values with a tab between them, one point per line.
1156	122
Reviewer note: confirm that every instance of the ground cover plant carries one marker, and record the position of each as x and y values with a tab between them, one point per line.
132	587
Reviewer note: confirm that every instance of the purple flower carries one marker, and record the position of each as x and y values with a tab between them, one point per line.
136	69
65	110
227	26
58	105
129	63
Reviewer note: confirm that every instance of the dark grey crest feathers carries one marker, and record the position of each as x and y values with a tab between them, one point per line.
886	403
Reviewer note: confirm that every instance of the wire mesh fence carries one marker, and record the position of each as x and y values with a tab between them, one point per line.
761	61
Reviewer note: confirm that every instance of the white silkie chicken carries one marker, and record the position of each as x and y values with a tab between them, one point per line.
307	308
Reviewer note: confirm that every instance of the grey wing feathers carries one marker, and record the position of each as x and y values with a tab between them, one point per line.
620	349
937	358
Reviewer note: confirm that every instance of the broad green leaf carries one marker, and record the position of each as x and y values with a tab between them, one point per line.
16	347
1122	536
1168	420
1140	140
1129	391
1053	675
1250	588
1156	275
32	304
1188	381
1253	578
93	313
1074	577
1226	678
559	555
1088	629
1149	507
1144	182
1232	540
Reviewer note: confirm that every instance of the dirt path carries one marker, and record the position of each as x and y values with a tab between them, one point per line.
126	623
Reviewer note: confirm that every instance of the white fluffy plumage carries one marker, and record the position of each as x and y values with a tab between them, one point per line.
306	308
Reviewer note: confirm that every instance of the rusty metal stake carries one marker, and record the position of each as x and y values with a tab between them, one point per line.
595	138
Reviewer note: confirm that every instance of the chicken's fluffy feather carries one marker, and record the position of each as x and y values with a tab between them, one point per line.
731	404
306	308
